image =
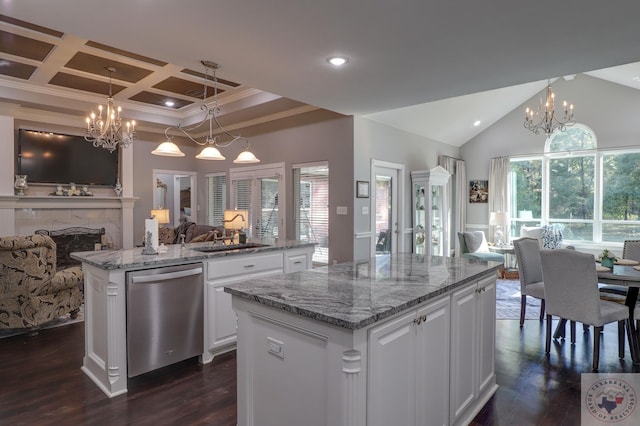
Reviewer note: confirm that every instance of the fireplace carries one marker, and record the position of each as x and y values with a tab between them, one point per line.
69	240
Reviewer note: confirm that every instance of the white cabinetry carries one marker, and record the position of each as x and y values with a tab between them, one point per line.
297	260
407	383
220	325
430	211
472	348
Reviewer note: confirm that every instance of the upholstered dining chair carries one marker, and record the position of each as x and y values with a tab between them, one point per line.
618	293
571	292
530	273
32	291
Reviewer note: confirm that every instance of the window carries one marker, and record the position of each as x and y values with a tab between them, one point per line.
590	195
311	207
216	198
260	190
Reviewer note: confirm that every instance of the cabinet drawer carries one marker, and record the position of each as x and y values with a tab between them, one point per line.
243	265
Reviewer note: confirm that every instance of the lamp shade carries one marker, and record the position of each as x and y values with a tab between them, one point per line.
162	215
236	219
168	149
210	153
246	157
498	218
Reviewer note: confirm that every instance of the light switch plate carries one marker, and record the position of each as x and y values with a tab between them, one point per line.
341	210
365	209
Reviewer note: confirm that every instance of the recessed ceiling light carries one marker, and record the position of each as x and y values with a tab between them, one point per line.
337	60
636	78
169	103
477	123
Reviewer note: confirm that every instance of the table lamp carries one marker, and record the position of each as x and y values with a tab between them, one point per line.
162	215
499	220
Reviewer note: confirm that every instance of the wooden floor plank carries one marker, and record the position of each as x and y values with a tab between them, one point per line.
42	384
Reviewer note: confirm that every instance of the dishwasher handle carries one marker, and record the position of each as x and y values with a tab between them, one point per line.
166	276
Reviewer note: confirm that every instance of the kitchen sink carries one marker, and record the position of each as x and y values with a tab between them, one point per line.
216	248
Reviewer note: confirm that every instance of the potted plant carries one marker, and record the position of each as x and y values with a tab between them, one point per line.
607	258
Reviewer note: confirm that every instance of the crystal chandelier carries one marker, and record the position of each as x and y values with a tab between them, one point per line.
546	118
211	142
107	132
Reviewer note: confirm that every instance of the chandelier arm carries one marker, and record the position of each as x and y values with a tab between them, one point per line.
232	136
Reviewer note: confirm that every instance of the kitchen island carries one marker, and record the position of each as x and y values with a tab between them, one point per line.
105	295
406	339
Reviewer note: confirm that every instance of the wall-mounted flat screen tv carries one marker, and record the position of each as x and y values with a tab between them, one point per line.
62	159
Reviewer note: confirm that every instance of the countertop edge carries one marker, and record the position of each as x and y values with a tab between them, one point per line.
355	325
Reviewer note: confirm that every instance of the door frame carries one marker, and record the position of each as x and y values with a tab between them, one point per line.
398	198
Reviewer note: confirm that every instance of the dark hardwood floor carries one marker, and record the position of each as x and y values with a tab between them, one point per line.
41	383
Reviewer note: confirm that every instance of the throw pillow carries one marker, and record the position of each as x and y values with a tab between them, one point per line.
199	239
551	237
476	242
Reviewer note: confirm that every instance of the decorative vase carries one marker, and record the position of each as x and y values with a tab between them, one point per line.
21	184
607	262
118	188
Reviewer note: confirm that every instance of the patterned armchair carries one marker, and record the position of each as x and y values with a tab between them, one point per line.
31	291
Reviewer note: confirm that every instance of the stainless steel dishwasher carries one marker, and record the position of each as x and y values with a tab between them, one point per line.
165	316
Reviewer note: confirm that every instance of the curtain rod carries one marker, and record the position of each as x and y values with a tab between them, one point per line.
448	156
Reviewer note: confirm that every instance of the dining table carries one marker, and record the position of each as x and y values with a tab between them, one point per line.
628	276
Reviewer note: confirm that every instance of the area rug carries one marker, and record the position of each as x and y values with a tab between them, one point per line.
508	301
58	322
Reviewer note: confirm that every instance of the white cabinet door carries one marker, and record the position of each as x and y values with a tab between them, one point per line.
298	260
463	350
486	333
221	318
408	378
391	373
432	376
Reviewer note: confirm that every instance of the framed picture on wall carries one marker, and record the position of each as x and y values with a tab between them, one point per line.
478	191
362	189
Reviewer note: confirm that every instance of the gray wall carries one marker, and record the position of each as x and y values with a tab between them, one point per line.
609	109
373	140
315	136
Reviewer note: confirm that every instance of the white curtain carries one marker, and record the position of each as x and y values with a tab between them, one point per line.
499	191
456	195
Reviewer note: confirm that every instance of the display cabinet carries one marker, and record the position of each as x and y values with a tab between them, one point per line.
430	211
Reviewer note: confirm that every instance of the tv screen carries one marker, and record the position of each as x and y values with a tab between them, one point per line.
62	159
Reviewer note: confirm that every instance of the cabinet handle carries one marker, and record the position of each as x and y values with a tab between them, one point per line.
249	266
297	262
420	319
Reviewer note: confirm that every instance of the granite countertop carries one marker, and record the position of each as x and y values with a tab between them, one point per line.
354	295
131	259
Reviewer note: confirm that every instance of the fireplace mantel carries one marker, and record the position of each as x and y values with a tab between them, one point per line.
55	202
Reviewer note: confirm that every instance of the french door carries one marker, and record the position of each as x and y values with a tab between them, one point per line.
260	190
385	197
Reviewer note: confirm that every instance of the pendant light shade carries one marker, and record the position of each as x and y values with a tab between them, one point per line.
212	141
168	149
246	157
210	153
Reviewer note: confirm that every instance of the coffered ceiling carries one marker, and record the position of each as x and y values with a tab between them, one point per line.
40	60
423	66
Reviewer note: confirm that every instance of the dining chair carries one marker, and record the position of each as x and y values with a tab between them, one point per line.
618	293
571	292
527	252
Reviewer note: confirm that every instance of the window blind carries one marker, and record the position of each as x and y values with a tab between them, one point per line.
311	208
216	198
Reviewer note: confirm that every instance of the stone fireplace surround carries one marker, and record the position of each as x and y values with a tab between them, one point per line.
23	215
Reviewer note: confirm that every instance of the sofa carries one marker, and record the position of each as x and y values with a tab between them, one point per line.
193	233
32	290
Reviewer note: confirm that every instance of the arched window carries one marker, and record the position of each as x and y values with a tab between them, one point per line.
589	194
575	138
